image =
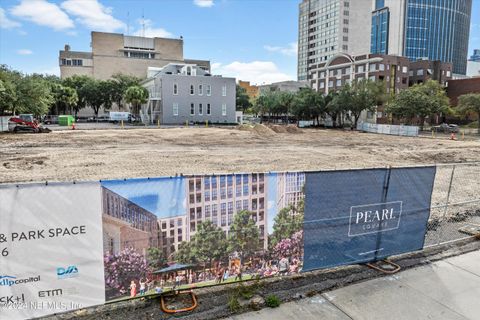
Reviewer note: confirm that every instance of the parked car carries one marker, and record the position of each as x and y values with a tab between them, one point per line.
445	127
50	119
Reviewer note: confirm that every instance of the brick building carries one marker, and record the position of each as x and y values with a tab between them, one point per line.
126	224
456	88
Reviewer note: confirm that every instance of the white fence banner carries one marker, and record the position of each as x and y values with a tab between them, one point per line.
51	249
4	123
411	131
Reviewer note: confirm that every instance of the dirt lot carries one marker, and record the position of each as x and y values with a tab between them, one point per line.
104	154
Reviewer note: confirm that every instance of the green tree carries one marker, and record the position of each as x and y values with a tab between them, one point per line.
286	101
243	235
33	96
470	103
8	96
136	96
304	104
65	98
119	84
93	95
242	99
78	83
155	258
420	100
209	243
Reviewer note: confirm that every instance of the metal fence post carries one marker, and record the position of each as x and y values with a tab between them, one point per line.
448	196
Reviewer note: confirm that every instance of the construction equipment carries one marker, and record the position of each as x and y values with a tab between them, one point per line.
27	123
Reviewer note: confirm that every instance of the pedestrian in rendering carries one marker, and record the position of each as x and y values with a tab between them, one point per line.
133	289
143	286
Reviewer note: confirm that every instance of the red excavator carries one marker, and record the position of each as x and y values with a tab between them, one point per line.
26	123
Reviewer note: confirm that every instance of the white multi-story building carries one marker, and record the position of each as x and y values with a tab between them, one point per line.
328	27
290	189
218	199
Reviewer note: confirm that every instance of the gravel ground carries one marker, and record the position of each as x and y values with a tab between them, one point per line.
104	154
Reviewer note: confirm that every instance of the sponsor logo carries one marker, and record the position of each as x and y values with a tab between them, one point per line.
12	299
374	218
50	293
68	272
9	281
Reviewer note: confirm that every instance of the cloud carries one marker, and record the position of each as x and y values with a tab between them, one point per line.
43	13
257	72
290	50
6	23
93	15
152	32
203	3
24	52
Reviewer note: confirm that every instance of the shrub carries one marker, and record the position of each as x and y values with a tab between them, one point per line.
272	301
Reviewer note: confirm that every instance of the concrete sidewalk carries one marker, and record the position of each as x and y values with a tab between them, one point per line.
447	289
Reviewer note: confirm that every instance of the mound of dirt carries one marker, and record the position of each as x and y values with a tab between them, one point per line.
291	128
278	128
259	129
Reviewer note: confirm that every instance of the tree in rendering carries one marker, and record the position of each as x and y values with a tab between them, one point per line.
243	236
470	103
155	258
121	269
288	221
209	243
136	96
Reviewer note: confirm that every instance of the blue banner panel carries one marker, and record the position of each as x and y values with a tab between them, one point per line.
358	216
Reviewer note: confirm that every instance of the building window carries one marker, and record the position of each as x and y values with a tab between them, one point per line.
175	89
322	85
360	69
420	72
372	78
192	109
175	109
339	83
200	90
192	89
200	109
224	109
224	90
209	110
404	69
209	90
330	83
322	75
382	67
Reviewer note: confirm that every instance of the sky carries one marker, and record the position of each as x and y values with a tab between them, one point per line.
253	40
164	197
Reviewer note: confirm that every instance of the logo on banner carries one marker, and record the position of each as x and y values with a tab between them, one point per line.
50	293
12	299
374	218
9	281
68	272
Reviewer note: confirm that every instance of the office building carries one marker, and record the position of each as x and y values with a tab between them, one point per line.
422	30
114	53
283	86
328	27
476	55
473	68
251	90
180	93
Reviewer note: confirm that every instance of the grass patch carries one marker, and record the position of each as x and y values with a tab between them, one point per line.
272	301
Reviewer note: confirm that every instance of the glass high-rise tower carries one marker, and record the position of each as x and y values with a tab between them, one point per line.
423	29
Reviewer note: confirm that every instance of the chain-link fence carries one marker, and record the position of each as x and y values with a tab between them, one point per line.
455	211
